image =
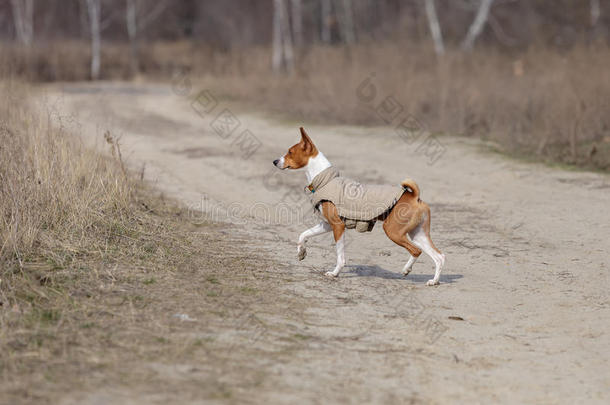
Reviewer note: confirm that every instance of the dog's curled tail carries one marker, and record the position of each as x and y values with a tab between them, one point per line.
411	187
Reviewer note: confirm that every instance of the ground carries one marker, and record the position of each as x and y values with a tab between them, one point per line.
521	315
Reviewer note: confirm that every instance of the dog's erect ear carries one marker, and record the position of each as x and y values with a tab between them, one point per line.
306	139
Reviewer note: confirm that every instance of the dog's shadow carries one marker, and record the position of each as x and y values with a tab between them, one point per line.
359	270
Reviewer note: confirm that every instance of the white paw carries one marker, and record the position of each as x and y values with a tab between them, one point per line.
406	272
330	274
432	282
301	252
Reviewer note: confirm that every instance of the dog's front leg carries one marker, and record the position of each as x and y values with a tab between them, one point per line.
340	257
319	229
338	226
407	269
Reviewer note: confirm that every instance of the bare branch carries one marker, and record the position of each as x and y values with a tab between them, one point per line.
502	36
149	18
105	23
477	25
435	28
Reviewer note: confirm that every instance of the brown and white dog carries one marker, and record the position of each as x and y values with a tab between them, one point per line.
407	223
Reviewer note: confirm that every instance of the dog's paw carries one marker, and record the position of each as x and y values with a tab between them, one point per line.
301	252
330	274
406	272
432	282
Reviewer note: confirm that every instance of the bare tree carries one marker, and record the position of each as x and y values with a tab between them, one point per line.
131	18
287	39
326	18
83	18
595	12
23	17
94	8
477	25
346	20
137	21
435	27
283	56
297	22
501	35
276	56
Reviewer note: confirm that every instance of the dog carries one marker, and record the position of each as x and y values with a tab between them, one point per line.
406	221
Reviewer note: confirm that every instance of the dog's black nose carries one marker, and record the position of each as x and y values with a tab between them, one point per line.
275	162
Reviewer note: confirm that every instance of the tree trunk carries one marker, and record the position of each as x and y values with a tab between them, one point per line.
94	8
326	18
84	20
595	12
435	27
132	31
347	22
136	25
477	25
283	56
297	22
276	58
286	38
23	17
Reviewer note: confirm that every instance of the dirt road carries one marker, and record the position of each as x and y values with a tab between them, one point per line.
522	313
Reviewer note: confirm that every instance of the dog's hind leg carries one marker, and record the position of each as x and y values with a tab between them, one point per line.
319	229
398	235
401	219
421	237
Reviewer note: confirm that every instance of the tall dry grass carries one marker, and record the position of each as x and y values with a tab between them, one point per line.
70	60
65	212
89	257
547	103
55	194
76	232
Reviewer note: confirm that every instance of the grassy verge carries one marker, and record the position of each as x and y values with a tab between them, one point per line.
105	283
544	102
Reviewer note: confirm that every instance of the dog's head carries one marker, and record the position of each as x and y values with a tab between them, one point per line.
298	155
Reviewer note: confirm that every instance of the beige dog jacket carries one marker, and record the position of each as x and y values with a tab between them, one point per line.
358	205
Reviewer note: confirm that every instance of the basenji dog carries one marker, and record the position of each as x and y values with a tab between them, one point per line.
406	223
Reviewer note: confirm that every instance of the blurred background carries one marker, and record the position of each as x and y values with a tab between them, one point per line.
146	255
529	75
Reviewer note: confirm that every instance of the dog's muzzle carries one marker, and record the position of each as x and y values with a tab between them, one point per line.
279	163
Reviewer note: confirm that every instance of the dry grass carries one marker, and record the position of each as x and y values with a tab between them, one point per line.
70	60
545	103
94	266
541	103
56	195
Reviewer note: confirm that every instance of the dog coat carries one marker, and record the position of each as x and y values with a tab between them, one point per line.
358	205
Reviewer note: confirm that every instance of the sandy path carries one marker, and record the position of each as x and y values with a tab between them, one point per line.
527	257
